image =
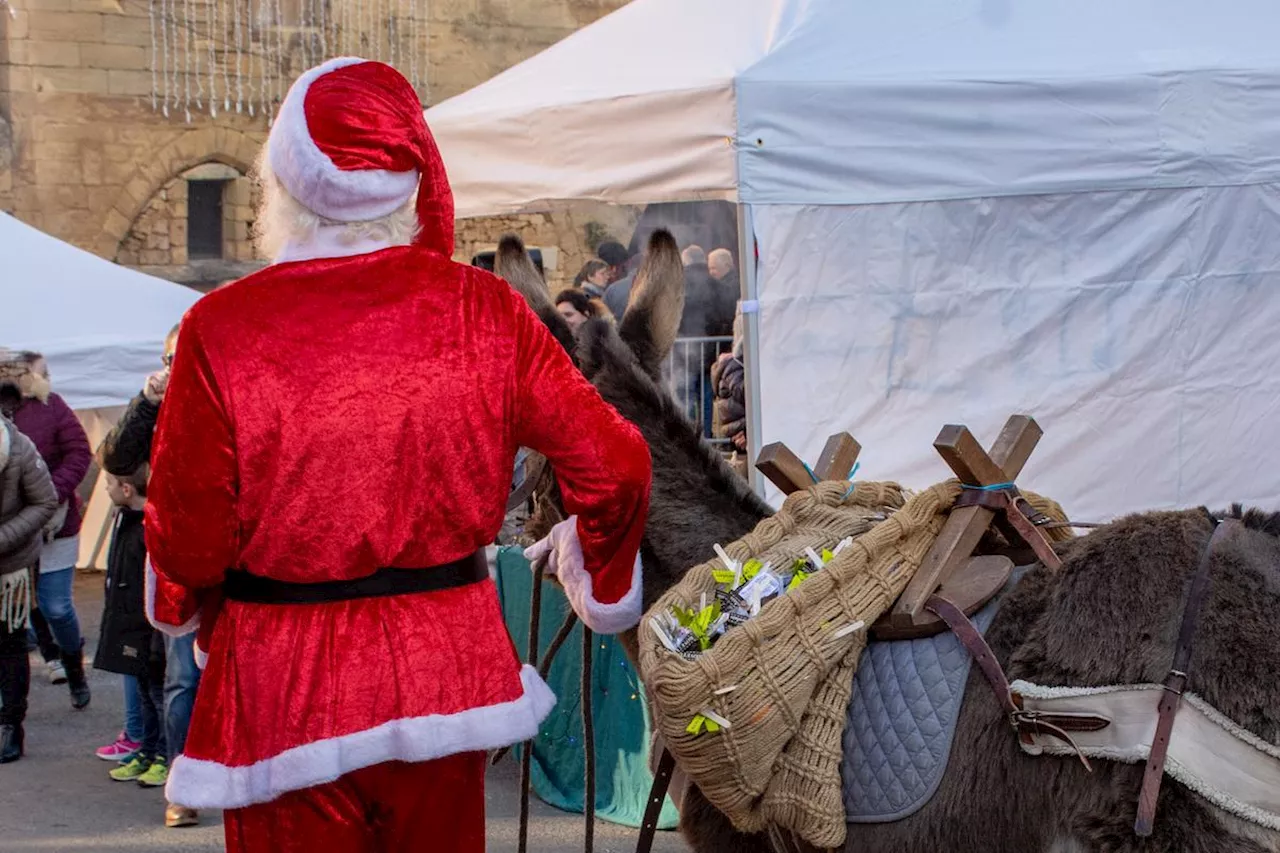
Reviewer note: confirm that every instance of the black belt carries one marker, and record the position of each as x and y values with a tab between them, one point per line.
240	585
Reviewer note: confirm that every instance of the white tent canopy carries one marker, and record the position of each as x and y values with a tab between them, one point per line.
1069	208
100	326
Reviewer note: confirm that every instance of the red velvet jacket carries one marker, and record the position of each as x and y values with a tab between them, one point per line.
328	417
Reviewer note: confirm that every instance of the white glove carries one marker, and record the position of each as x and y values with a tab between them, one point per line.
561	549
565	562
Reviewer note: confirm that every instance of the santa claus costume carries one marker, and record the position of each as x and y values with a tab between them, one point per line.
333	455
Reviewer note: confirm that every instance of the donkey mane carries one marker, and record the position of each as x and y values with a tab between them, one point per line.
614	369
1256	519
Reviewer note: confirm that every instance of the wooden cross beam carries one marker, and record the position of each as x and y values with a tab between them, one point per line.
950	560
788	472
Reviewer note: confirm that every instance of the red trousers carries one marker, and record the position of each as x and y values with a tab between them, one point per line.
387	808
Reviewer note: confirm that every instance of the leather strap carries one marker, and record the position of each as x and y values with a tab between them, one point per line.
588	745
657	796
971	638
1021	516
1175	682
566	628
526	754
1026	723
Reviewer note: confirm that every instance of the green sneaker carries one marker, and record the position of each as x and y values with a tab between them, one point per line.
157	774
132	770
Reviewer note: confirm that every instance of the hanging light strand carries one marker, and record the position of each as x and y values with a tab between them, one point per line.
172	14
186	64
164	56
237	35
155	86
197	70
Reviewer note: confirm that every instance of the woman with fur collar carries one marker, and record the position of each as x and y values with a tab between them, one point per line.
53	427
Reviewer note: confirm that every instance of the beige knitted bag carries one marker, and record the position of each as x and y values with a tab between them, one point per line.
783	679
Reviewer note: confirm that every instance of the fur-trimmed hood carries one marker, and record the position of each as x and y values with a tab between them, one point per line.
6	441
15	370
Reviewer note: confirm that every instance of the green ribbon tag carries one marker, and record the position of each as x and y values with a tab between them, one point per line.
798	578
700	623
724	576
700	724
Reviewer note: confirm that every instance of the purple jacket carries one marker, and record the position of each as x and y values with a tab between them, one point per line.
56	432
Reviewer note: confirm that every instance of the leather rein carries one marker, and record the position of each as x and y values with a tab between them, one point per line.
1027	723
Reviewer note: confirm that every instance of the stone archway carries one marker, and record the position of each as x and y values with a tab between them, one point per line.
204	145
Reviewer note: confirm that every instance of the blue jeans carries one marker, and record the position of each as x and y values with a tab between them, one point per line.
132	710
181	678
151	706
53	596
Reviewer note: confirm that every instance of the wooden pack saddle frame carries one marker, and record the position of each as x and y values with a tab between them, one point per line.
950	585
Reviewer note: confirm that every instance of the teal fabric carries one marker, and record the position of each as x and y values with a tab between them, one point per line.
618	705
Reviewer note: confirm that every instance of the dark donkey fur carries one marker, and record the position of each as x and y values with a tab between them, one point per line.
1109	617
697	499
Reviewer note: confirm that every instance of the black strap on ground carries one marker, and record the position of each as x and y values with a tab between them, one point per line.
526	755
657	797
588	743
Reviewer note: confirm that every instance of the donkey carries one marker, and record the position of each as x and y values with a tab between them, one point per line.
1109	616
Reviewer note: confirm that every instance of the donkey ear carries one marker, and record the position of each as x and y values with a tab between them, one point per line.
653	315
513	264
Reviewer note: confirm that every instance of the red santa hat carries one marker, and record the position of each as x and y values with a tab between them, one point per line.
351	145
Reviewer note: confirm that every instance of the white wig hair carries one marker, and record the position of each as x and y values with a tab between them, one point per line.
281	218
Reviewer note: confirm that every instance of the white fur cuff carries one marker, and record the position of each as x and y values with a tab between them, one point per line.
165	628
602	618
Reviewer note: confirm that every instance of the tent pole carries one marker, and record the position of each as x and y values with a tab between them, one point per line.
750	307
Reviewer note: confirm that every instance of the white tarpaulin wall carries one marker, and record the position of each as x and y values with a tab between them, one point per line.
100	326
1068	208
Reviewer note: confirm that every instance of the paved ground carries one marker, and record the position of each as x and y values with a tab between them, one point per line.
59	798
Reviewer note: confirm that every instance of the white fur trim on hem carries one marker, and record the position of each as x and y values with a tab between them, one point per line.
313	179
202	784
165	628
201	656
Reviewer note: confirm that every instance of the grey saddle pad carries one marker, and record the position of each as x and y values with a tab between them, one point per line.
902	718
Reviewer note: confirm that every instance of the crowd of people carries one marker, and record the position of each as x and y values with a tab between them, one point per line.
44	458
602	289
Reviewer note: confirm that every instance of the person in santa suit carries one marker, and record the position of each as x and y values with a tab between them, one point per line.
334	452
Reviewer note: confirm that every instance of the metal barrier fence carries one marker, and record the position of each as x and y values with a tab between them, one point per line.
688	375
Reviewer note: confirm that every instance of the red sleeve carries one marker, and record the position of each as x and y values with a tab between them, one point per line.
600	460
191	524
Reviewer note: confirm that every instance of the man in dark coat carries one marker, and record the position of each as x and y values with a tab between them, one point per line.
618	294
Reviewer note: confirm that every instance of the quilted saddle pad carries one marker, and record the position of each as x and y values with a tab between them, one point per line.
902	719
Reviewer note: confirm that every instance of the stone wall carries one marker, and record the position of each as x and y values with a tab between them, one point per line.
88	154
574	233
157	240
